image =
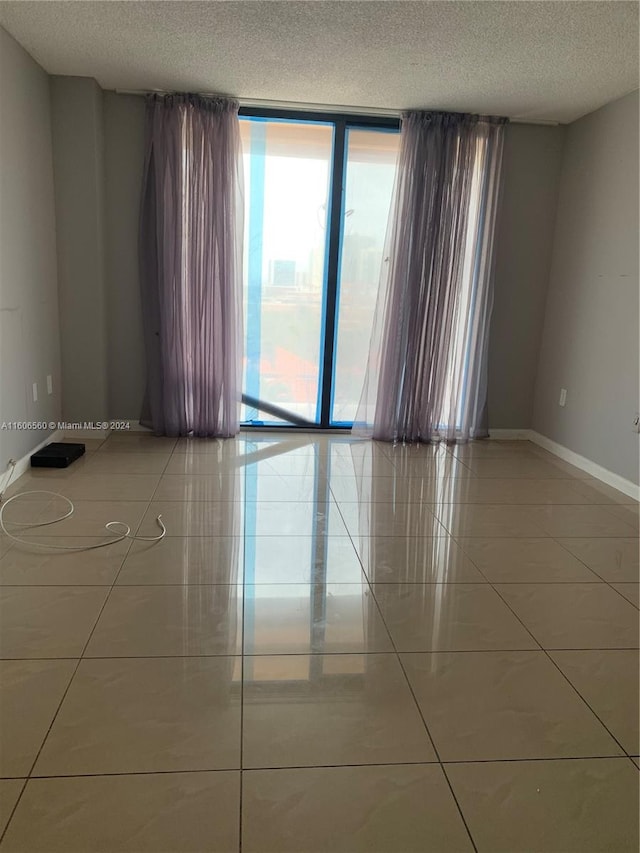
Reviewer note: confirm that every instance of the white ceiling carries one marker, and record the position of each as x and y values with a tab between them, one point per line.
550	60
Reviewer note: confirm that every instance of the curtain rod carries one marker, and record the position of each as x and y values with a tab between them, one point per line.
320	108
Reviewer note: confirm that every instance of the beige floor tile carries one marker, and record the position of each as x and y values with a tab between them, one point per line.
527	469
483	706
5	544
194	518
629	514
126	463
312	618
258	463
203	464
301	559
137	442
493	448
414	450
441	467
38	565
614	559
90	517
636	761
216	518
111	487
600	493
488	490
27	516
574	616
414	559
630	591
521	560
348	464
319	710
196	487
398	489
184	560
30	692
35	481
449	617
608	682
159	693
168	812
282	518
146	621
298	488
211	446
487	520
48	621
549	806
10	790
147	715
569	521
250	448
350	809
382	519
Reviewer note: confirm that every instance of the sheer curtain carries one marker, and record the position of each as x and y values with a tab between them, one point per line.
426	373
191	226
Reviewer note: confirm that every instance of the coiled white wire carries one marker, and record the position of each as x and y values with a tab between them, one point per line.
126	534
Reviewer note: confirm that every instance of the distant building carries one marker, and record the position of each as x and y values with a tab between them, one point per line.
282	273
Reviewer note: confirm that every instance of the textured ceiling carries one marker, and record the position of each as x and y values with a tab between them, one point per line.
530	60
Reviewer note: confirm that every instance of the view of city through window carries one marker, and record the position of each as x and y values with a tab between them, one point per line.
287	175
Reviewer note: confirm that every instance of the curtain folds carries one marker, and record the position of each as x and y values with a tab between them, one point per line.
191	226
426	373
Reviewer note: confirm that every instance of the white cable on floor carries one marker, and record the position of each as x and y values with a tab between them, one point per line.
109	525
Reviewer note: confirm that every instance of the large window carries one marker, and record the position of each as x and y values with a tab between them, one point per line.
317	196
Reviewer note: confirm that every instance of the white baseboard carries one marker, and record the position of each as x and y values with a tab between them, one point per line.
615	480
24	463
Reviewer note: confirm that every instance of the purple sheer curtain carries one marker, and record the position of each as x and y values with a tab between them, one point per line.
426	374
191	226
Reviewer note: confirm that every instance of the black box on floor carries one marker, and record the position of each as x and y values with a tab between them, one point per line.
57	455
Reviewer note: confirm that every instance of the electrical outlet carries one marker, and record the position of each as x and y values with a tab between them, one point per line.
35	392
49	385
563	397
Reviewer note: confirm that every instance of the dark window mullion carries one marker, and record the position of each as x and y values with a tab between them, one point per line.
333	260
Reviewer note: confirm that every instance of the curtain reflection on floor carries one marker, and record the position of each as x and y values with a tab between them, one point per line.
399	539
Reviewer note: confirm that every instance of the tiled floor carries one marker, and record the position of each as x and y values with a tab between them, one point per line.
340	646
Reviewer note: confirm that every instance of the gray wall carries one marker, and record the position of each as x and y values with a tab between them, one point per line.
29	330
124	155
590	340
78	150
524	239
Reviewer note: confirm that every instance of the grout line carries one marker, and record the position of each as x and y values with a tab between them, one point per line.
307	653
594	571
573	687
518	760
73	675
366	580
422	717
242	674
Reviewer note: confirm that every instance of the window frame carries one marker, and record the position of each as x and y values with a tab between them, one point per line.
342	122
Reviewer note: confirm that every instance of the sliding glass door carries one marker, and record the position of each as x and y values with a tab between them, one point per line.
317	195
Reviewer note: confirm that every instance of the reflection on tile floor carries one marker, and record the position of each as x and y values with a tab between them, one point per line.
341	645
